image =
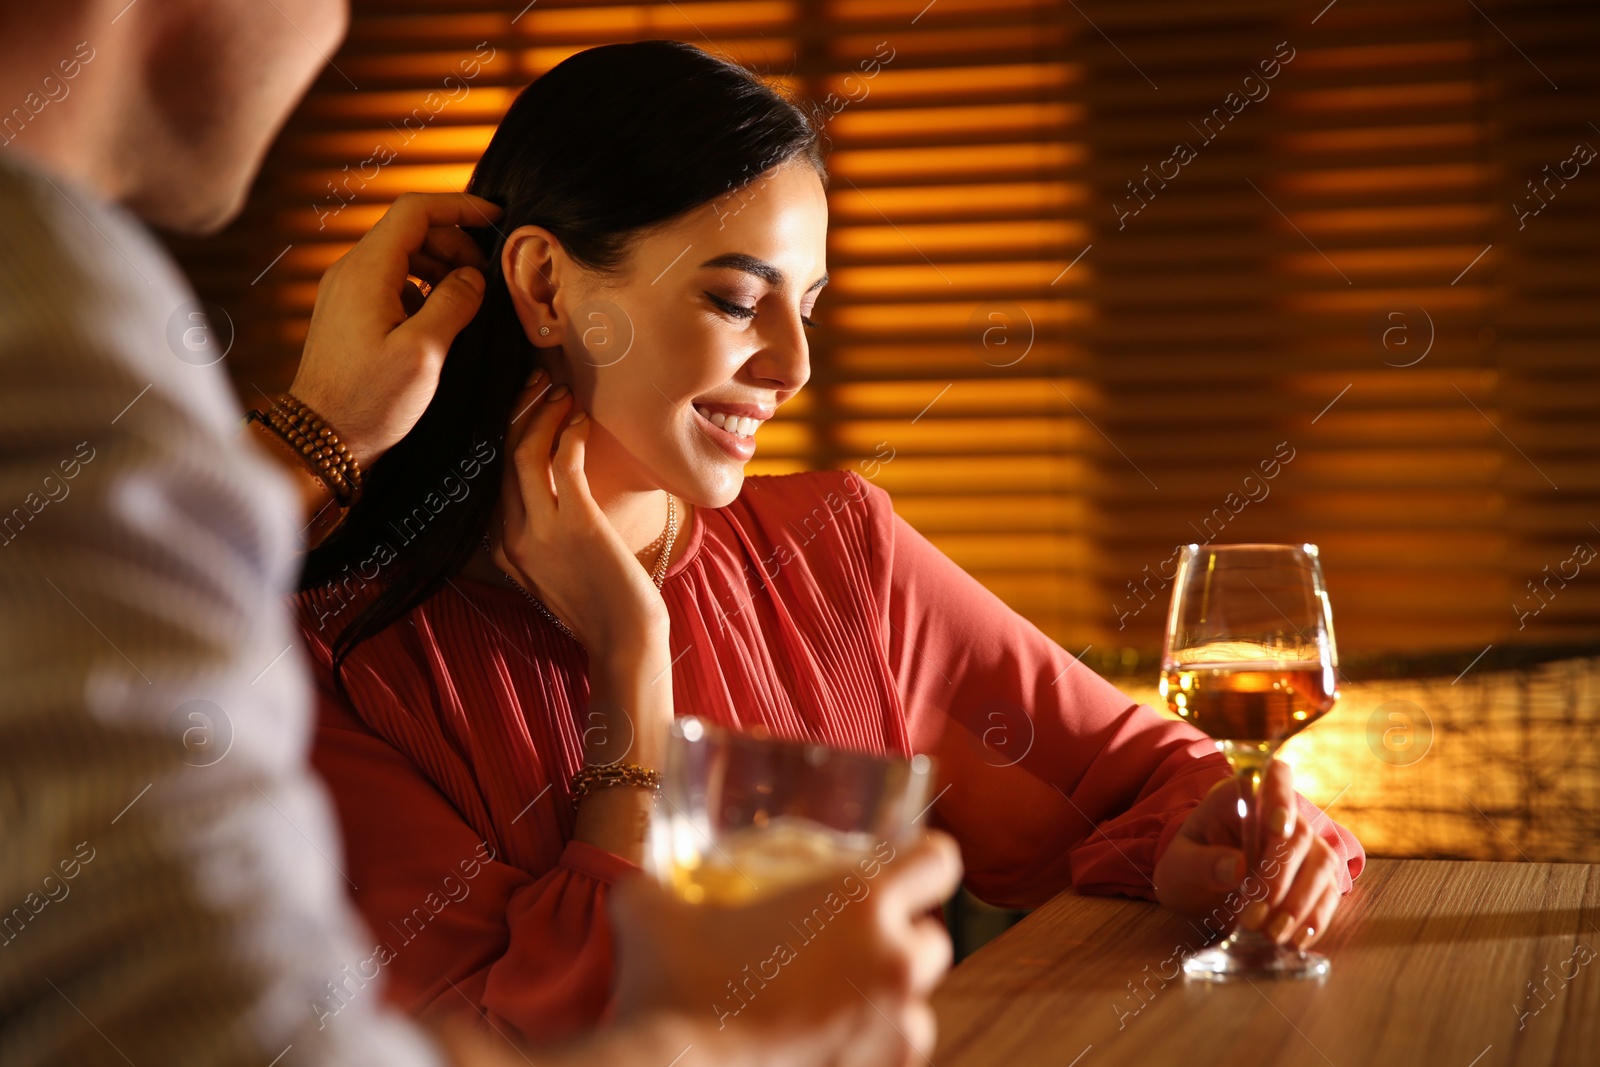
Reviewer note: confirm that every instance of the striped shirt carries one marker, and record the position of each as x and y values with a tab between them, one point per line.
172	888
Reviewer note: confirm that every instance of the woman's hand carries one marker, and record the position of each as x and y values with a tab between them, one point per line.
1295	891
375	347
548	533
552	537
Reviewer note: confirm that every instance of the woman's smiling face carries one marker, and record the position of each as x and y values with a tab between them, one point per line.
706	316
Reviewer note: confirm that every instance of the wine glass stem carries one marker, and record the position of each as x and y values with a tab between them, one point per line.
1249	766
1249	779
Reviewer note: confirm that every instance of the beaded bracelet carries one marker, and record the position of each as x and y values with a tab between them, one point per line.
600	776
318	444
328	514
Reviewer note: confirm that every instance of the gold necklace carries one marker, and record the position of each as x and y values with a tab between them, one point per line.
658	573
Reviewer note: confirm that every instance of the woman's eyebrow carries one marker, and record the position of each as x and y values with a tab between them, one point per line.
759	267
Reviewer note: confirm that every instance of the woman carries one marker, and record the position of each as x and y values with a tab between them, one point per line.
485	630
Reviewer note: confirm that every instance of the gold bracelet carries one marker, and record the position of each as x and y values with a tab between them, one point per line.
604	775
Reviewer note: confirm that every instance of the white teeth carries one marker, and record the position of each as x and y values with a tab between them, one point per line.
740	425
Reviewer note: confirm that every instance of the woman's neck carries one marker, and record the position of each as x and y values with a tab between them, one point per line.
638	516
640	519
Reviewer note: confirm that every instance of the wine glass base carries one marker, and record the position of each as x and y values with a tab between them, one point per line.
1239	957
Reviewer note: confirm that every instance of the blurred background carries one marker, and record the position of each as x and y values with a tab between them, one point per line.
1113	276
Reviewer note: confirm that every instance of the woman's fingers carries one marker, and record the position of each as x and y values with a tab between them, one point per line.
1313	926
1277	804
1193	879
512	507
1277	868
1312	879
531	456
566	466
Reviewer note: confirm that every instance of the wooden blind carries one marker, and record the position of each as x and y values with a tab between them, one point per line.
1065	345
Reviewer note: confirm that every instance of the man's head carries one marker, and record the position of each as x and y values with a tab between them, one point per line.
170	105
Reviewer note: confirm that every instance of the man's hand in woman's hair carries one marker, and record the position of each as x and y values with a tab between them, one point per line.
834	972
375	347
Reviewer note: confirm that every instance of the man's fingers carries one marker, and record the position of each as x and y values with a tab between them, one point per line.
411	298
414	214
923	875
453	245
429	268
931	953
921	1029
449	307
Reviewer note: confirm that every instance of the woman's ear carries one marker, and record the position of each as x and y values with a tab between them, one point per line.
531	264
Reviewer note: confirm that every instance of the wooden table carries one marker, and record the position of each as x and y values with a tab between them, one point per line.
1434	962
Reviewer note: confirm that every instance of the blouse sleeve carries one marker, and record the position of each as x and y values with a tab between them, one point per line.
454	927
1050	776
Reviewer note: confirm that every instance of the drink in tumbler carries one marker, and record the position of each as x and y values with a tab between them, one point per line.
755	861
745	815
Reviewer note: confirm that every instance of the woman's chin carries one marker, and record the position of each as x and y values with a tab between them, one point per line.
713	489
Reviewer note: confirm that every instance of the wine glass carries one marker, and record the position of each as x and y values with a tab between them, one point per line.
1250	659
744	814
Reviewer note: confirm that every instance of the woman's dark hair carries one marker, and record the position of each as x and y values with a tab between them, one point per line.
612	141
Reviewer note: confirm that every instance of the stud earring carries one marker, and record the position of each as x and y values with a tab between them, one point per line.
544	331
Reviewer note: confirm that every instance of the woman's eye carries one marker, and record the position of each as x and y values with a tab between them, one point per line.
739	311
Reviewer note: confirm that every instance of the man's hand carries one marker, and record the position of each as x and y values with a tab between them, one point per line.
790	980
1296	890
375	348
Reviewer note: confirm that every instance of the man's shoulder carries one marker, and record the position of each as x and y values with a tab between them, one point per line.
90	302
62	226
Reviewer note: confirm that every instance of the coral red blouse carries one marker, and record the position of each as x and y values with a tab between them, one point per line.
807	606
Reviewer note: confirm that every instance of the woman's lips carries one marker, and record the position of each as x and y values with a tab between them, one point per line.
740	448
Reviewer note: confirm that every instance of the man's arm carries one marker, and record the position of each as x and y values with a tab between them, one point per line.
169	873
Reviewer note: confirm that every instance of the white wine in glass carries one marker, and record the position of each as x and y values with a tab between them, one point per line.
1250	659
744	815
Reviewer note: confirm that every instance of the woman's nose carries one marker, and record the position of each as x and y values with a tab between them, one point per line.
786	360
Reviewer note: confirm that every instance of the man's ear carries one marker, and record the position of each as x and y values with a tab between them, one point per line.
529	262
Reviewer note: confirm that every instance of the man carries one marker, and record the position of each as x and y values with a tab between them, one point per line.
170	883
